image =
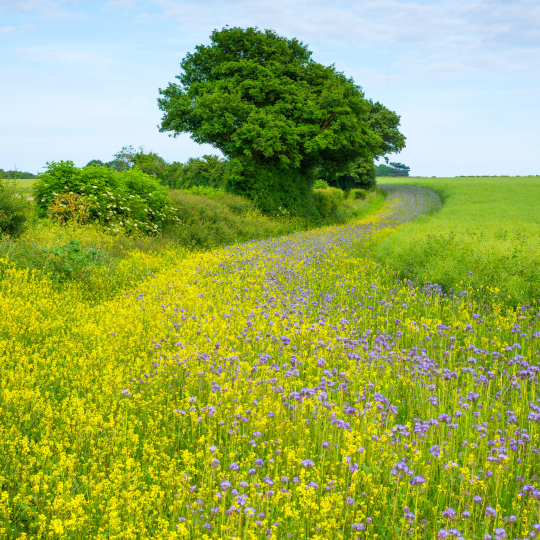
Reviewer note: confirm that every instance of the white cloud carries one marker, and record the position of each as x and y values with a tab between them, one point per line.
449	39
80	54
47	9
463	74
121	4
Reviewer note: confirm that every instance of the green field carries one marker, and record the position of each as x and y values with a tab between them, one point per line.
24	184
489	226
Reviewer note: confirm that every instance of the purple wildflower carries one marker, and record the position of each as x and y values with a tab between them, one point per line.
449	513
418	480
490	511
225	485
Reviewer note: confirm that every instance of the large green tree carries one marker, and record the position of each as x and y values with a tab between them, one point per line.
274	112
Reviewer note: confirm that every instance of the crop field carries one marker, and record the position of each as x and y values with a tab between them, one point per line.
24	184
487	234
291	387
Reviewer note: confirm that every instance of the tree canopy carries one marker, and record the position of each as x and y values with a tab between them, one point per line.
150	163
385	123
362	172
208	171
265	104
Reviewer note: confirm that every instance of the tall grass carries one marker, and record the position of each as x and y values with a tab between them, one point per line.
208	221
486	235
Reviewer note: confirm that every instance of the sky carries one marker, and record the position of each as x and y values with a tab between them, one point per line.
79	79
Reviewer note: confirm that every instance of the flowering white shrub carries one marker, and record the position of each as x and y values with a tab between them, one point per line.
129	200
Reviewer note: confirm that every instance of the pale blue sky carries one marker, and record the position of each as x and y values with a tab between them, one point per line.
79	79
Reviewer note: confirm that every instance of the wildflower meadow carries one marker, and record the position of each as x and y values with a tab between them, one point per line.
290	387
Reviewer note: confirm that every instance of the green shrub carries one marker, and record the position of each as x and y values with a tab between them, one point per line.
73	261
328	201
130	199
14	208
101	263
355	194
49	249
321	184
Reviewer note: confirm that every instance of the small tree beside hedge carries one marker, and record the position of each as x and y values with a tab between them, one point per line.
130	200
328	201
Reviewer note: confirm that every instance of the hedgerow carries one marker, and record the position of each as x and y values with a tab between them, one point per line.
129	200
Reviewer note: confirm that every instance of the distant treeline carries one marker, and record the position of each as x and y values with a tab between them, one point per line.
497	176
17	175
394	169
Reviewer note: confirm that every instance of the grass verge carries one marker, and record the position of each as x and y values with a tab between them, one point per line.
486	237
103	262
